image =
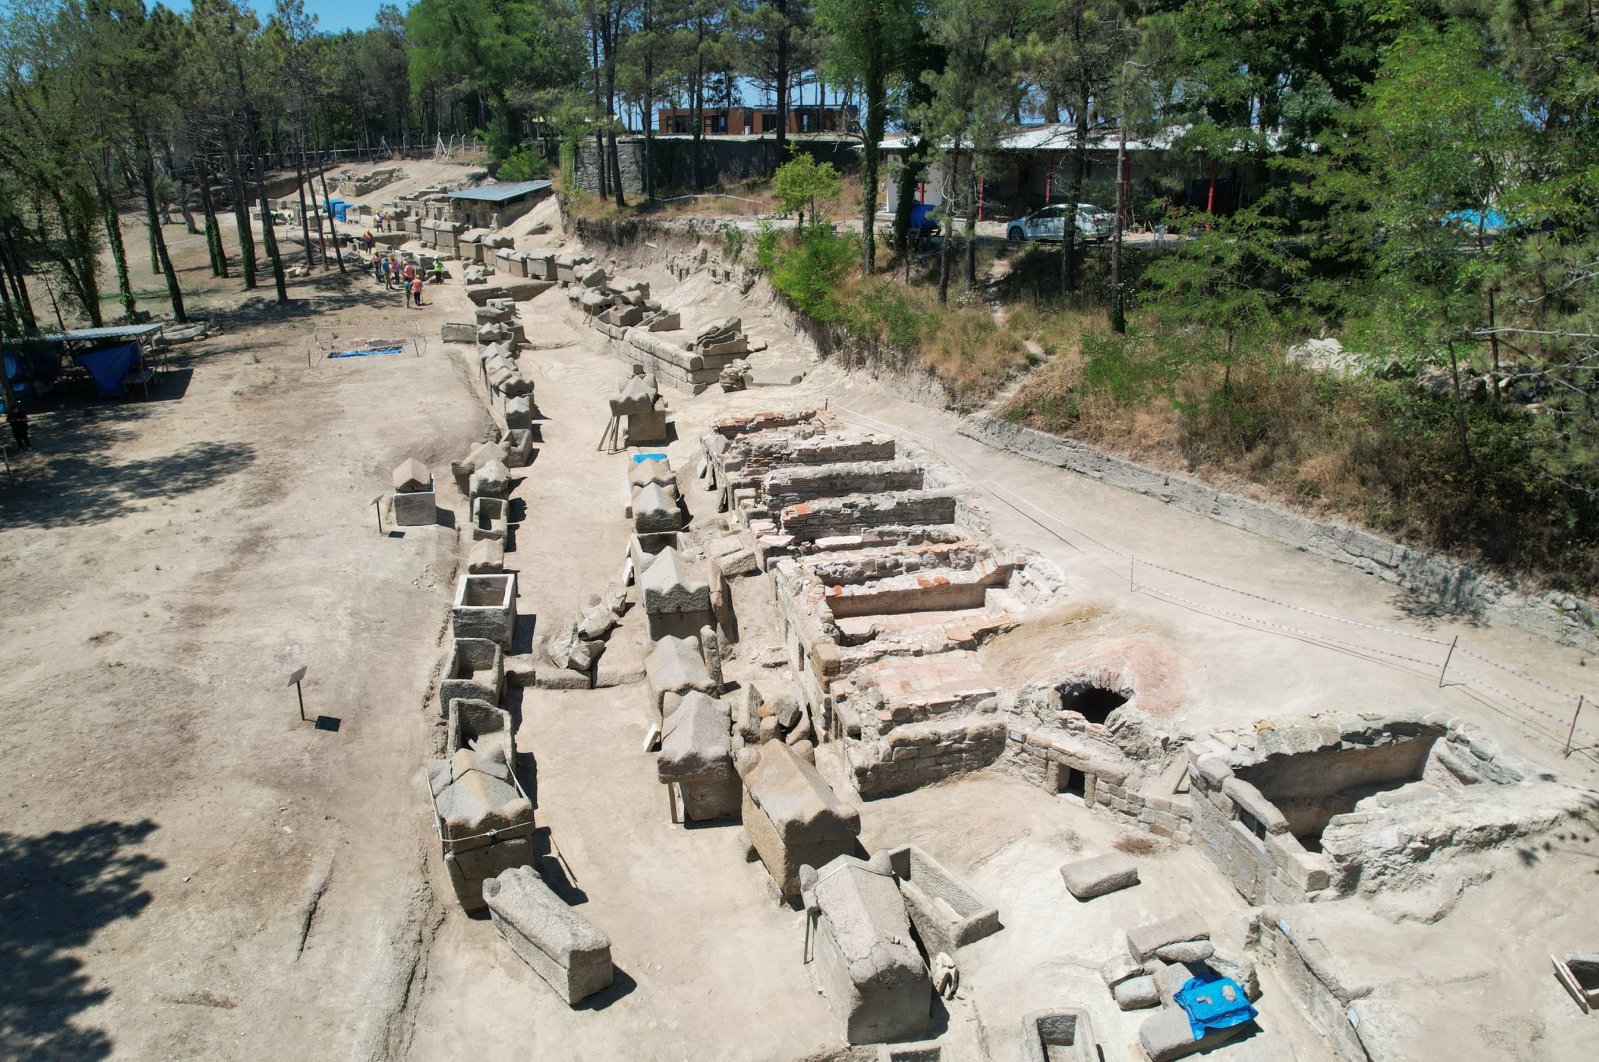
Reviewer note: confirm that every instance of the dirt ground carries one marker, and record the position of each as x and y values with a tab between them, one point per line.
190	871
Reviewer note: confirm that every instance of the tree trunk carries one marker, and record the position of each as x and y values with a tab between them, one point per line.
174	292
970	249
783	78
609	35
1068	236
119	255
241	209
648	102
305	217
268	235
1460	410
213	234
948	225
18	280
327	200
876	91
697	100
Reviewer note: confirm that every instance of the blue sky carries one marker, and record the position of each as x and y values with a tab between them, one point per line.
331	15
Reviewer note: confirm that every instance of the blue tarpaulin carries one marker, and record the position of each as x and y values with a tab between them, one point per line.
366	353
340	209
110	366
1213	1002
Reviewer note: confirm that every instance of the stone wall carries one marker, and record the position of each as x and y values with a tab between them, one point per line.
1557	616
842	516
721	160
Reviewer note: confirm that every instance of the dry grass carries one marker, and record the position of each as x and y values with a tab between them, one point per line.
1136	844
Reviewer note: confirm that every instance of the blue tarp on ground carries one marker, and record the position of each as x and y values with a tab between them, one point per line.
340	209
1213	1002
366	353
109	366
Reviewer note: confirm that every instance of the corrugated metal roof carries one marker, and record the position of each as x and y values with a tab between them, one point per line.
108	332
500	193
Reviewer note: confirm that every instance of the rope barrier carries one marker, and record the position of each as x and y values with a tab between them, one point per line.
1018	501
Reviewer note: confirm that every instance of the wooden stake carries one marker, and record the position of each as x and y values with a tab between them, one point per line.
1573	731
1448	658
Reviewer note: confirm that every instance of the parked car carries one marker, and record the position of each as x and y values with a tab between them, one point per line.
1049	223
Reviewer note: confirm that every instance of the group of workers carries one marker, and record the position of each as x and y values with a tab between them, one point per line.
388	270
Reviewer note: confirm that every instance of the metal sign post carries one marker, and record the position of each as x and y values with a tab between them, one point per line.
294	680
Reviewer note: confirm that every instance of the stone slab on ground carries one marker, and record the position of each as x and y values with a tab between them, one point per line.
1102	874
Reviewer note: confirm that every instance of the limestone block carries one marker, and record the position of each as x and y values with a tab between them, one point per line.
1088	878
412	476
521	670
1120	965
1145	940
697	755
672	584
947	912
515	384
414	509
1064	1035
646	428
485	607
494	313
493	480
1186	951
1167	1035
483	727
572	956
518	447
484	820
656	510
519	412
474	669
656	470
792	815
868	966
490	521
1136	993
597	622
481	455
674	665
487	557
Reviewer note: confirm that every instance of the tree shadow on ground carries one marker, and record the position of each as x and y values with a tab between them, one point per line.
79	484
58	890
1430	612
309	298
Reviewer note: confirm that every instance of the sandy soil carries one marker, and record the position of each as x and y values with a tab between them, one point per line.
189	871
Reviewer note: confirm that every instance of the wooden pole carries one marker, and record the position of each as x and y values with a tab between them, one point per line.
1573	731
1448	658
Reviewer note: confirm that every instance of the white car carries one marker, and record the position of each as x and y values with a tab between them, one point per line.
1049	223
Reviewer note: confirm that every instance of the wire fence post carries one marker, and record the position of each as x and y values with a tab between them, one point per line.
1573	731
1451	655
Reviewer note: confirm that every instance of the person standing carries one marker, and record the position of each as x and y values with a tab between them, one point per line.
383	272
18	421
405	286
438	270
416	290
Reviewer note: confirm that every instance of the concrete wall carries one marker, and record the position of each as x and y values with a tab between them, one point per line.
1560	617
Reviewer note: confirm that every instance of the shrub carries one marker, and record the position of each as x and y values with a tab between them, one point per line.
526	163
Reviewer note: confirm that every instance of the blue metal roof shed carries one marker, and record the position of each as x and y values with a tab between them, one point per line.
501	193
